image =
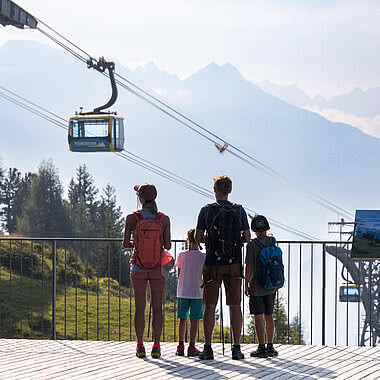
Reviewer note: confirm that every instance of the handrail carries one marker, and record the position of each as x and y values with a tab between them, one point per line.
173	240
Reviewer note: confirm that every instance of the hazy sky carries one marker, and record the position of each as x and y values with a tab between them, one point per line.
323	46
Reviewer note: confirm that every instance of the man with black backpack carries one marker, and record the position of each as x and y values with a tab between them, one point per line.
264	275
226	227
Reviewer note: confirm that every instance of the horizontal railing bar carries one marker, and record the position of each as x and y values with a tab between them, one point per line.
7	238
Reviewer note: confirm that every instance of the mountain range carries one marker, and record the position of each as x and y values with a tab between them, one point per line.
357	102
335	160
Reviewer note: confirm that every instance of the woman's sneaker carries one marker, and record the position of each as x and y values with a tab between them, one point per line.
156	351
180	350
140	352
260	352
192	351
271	351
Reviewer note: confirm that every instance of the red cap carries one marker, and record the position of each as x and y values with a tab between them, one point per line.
147	192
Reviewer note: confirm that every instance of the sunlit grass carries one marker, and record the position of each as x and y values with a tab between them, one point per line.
26	311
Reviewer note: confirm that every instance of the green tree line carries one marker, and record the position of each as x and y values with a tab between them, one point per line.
33	204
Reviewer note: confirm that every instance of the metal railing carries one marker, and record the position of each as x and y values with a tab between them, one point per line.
81	289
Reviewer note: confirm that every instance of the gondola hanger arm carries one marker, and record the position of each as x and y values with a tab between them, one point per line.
102	66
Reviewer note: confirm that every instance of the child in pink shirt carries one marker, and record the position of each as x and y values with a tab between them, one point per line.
189	293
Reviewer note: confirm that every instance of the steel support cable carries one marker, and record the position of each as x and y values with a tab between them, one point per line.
255	164
162	174
33	104
63	37
209	194
262	167
63	46
131	157
200	189
258	162
35	112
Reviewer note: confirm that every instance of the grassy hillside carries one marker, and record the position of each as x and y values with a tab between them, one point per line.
26	311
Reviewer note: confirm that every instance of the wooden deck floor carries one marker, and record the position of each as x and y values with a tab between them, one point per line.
33	359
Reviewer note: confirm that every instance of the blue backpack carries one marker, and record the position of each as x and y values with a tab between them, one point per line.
271	274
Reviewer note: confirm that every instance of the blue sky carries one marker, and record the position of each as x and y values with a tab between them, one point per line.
325	47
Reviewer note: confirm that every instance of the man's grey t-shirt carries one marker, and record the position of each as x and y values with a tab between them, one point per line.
253	257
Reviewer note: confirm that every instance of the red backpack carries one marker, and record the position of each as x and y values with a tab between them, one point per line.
148	241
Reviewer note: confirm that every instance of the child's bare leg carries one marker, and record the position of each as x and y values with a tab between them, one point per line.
260	328
269	327
193	331
182	330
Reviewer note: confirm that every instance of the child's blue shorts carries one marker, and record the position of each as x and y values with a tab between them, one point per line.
194	305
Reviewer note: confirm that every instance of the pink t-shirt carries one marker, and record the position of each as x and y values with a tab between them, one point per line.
190	277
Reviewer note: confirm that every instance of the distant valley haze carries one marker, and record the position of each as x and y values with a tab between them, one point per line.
335	160
358	108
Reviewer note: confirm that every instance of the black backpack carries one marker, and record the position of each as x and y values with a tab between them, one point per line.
224	233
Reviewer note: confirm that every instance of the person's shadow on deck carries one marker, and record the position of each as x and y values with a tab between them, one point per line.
210	368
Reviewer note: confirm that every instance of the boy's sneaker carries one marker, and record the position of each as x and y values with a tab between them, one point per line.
193	351
156	351
180	350
140	352
271	351
236	353
207	354
260	352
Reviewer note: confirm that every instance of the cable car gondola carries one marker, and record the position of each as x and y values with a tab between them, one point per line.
98	131
349	293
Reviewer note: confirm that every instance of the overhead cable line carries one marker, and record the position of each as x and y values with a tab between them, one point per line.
30	109
33	104
204	132
137	160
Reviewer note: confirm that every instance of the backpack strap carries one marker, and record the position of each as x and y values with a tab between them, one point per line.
138	215
236	206
270	242
259	243
210	205
160	216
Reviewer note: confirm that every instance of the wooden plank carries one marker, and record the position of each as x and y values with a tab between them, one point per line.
74	360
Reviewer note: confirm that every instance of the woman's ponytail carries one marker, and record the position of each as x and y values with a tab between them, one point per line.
151	206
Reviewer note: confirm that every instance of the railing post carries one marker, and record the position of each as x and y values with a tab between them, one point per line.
54	291
324	295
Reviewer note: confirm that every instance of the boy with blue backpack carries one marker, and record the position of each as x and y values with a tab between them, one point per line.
264	275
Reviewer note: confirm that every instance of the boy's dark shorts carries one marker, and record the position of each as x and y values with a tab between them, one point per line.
262	304
230	275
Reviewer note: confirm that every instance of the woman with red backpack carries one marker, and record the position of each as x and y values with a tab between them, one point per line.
147	231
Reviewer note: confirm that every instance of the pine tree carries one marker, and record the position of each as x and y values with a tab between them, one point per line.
285	332
22	194
110	225
44	213
82	203
2	172
8	189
